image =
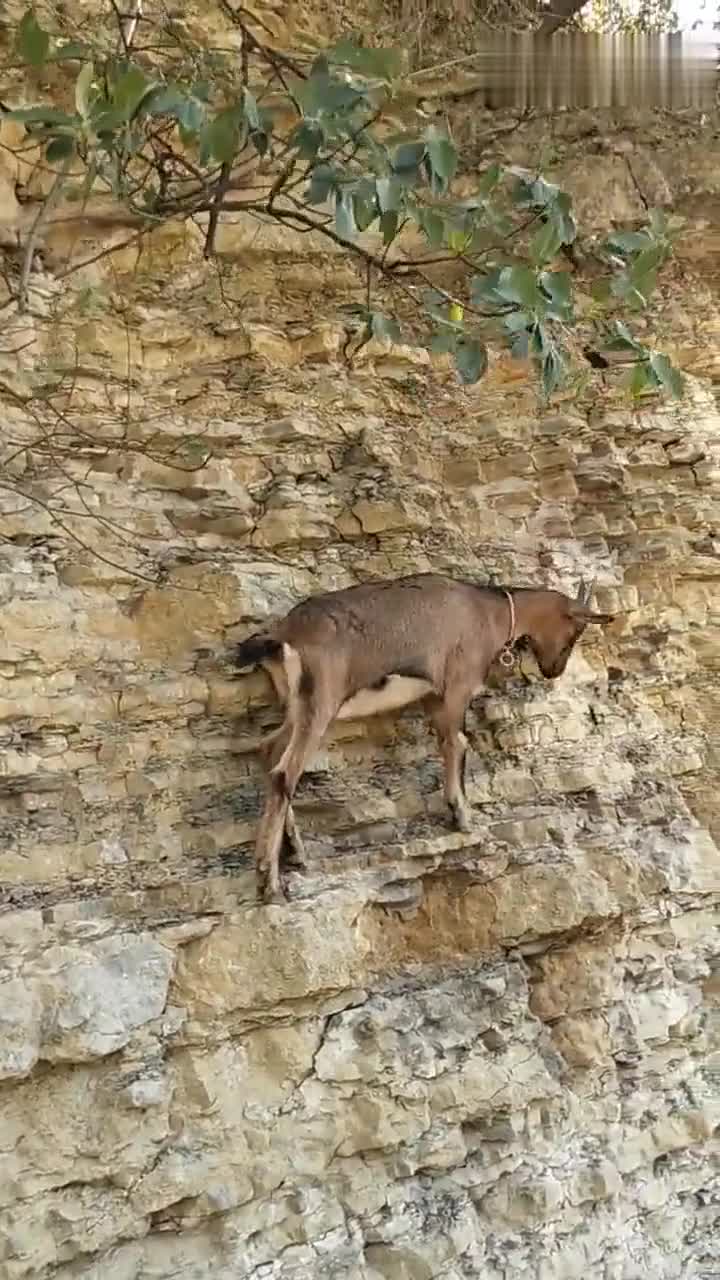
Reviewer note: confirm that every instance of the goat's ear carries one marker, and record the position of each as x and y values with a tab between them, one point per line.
582	614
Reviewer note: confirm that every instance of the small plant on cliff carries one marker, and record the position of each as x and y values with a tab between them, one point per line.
329	142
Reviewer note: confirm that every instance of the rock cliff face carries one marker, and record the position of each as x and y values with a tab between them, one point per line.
450	1056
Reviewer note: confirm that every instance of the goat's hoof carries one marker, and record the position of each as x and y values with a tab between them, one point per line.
269	893
274	898
461	819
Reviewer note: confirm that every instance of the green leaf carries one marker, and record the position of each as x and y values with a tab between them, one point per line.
33	43
471	359
106	120
40	115
558	287
251	110
623	287
59	148
457	241
83	85
517	321
627	242
167	100
643	286
485	289
307	140
384	327
622	331
71	51
659	223
442	343
374	64
442	156
407	158
322	94
489	181
647	261
323	181
545	244
260	141
667	375
601	289
190	118
519	284
365	207
320	66
562	216
389	222
433	224
534	194
389	194
129	91
624	340
540	344
639	378
520	345
553	371
173	101
220	138
344	219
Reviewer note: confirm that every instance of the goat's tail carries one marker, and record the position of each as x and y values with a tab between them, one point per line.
255	649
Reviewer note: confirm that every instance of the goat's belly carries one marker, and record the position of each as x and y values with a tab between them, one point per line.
395	692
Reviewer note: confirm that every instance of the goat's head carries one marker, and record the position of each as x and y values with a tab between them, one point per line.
556	626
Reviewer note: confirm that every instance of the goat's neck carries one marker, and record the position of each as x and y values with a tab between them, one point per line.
529	608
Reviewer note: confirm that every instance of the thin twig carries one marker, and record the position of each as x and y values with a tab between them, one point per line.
216	208
102	253
56	519
132	28
41	216
120	26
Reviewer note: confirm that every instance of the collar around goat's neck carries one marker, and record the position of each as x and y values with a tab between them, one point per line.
507	657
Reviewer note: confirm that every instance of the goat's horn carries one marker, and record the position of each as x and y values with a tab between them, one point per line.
581	592
589	591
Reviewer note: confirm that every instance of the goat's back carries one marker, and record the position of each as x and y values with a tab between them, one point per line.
404	626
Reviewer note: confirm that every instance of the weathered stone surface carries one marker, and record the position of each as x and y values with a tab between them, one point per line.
491	1055
75	1003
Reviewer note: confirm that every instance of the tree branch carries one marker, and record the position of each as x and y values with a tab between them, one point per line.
560	13
41	216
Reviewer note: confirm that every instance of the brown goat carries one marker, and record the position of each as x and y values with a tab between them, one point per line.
346	655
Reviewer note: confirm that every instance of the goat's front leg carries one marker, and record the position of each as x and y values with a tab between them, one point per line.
448	719
305	738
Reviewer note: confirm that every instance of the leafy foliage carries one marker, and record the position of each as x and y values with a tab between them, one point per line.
618	16
190	132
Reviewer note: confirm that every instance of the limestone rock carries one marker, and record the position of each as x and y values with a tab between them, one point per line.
487	1055
74	1003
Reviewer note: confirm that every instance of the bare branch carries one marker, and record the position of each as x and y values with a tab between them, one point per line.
41	217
